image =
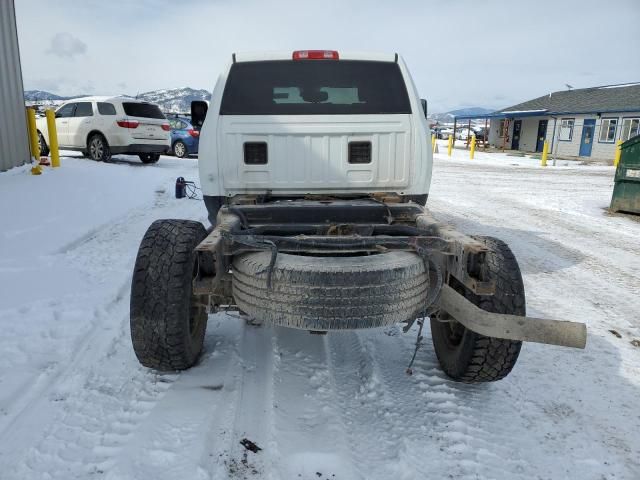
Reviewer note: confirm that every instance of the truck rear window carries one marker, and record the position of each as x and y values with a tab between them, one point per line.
315	87
145	110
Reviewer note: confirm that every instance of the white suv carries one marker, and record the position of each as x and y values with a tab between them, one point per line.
104	126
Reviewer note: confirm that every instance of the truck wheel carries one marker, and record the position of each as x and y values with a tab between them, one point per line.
331	293
167	321
467	356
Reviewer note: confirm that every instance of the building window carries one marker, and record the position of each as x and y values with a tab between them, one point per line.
630	128
608	130
566	129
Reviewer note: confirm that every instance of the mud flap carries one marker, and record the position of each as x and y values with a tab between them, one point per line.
512	327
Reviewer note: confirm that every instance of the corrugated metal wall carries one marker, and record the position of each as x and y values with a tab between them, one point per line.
14	140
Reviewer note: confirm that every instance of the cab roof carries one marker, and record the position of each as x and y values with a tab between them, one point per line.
288	55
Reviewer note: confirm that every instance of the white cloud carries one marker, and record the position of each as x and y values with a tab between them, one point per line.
65	45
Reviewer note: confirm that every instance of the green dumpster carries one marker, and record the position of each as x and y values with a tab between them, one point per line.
626	191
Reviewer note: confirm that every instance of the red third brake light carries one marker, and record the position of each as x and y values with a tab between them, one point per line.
315	55
193	133
128	123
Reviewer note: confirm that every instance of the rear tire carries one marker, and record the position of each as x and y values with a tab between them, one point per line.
168	322
149	157
98	148
180	149
469	357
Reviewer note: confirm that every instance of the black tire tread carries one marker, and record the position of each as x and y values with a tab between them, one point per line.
489	359
329	293
161	296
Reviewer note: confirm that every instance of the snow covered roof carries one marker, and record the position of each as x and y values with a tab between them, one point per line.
607	98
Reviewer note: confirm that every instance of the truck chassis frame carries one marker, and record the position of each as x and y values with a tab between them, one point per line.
334	227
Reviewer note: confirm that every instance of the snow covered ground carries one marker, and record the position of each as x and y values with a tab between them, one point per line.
75	404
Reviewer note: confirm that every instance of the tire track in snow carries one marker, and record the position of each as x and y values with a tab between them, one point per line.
42	432
308	434
560	264
96	402
179	436
31	412
445	428
247	410
427	426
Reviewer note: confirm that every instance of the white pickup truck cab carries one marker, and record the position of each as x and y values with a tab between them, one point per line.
315	122
315	167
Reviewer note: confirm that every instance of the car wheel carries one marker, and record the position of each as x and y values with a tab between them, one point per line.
149	157
44	149
99	148
180	149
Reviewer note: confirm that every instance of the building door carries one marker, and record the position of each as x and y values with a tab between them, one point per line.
517	128
542	134
586	142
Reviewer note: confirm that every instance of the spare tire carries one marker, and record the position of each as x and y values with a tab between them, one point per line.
331	293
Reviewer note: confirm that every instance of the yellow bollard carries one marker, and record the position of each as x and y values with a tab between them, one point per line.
473	147
616	159
33	140
450	146
433	142
53	138
545	153
33	134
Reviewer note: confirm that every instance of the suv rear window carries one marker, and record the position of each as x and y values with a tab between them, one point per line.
146	110
314	87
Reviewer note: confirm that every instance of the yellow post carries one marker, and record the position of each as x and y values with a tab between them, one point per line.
433	142
450	146
616	159
33	134
473	147
53	138
33	140
545	153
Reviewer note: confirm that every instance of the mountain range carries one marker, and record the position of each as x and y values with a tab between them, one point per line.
178	100
174	100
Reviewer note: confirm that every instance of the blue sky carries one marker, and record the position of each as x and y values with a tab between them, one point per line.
461	53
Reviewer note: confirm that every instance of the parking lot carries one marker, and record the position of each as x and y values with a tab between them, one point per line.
75	403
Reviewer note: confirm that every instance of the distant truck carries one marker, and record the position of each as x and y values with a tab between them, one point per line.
315	168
